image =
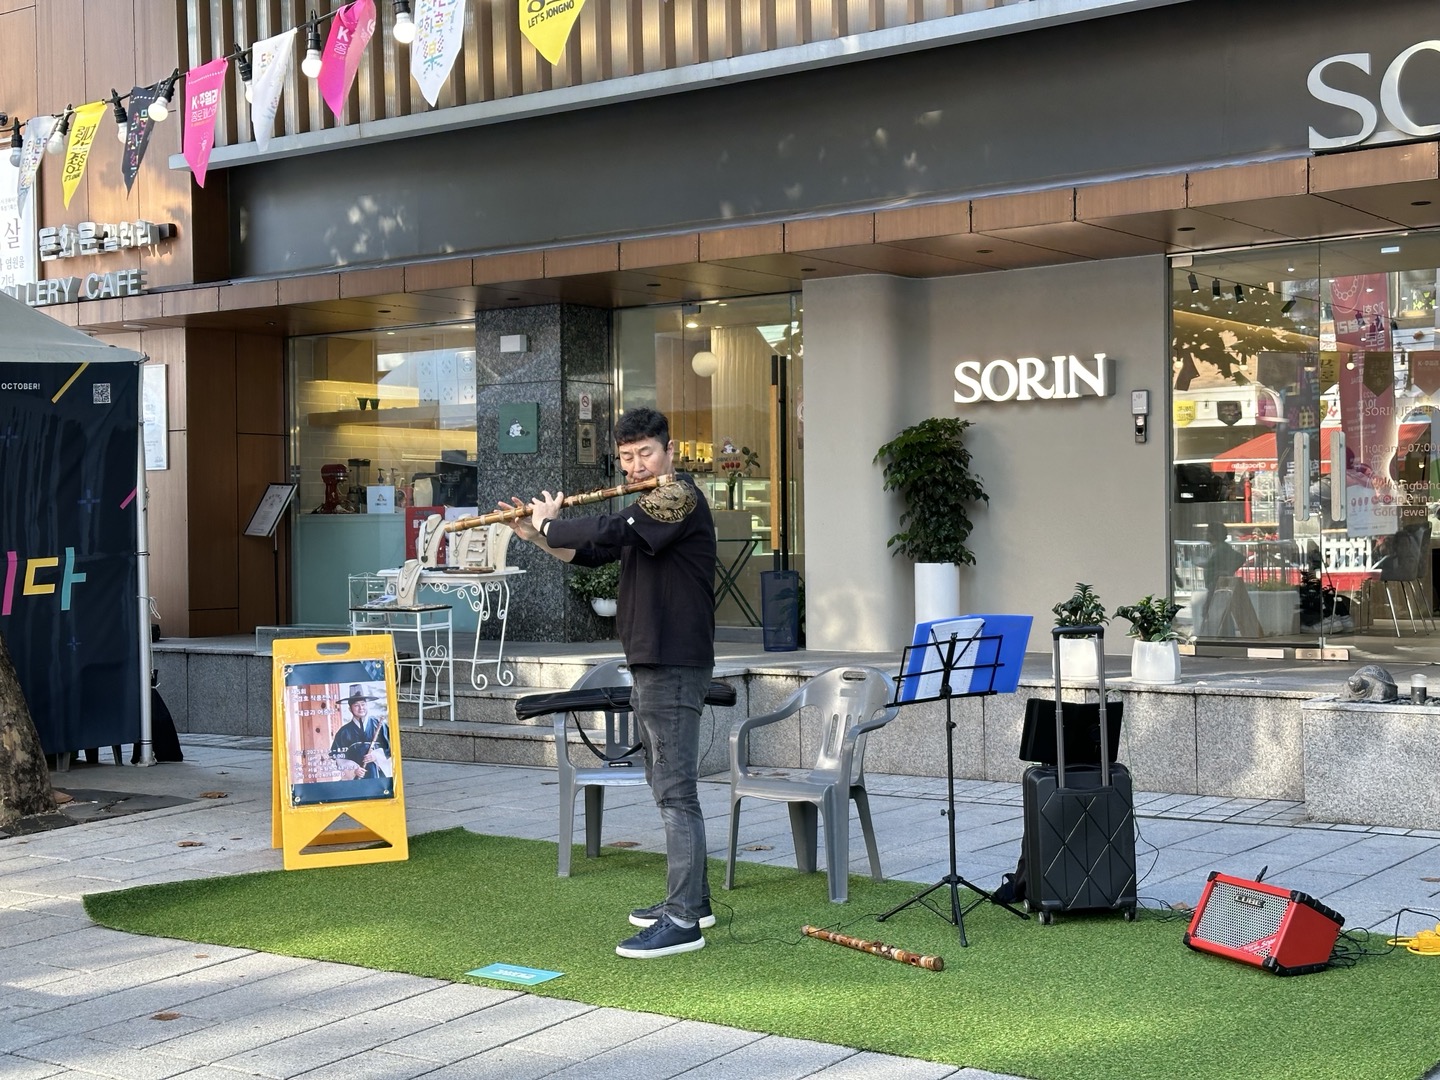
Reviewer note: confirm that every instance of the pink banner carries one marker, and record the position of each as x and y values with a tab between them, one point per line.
350	31
202	102
1361	309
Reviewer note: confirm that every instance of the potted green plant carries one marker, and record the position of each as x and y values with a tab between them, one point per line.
598	584
930	466
1077	654
1156	658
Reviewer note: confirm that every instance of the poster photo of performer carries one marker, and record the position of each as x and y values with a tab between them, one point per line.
337	722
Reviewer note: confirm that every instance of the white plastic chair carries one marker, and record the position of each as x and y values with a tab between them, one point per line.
852	702
618	736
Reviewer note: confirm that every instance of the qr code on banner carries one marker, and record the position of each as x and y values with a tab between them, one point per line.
100	393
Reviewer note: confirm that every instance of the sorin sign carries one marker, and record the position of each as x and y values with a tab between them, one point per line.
1402	125
1031	379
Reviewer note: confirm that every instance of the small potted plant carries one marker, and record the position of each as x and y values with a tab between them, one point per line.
1156	658
929	465
1077	654
598	584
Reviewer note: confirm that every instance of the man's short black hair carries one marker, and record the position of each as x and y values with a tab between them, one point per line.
637	425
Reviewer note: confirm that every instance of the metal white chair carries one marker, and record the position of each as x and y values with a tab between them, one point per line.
851	702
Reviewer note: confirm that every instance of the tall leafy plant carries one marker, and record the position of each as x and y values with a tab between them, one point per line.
929	465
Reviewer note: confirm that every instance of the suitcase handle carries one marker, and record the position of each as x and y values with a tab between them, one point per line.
1098	633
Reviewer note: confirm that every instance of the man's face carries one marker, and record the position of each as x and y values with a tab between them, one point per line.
357	710
645	459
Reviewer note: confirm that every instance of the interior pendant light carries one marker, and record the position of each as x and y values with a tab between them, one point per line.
1239	294
705	363
1194	284
404	25
1215	288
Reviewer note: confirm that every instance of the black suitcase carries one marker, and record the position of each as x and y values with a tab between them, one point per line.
1079	840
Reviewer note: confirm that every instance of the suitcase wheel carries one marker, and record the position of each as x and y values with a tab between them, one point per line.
1047	918
1130	913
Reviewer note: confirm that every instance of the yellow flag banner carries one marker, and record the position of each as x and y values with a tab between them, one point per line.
83	125
547	24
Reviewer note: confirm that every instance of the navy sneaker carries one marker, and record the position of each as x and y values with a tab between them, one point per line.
661	938
645	916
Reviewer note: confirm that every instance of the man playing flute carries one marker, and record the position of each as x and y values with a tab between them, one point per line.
665	543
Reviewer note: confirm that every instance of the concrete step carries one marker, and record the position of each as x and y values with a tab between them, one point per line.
489	743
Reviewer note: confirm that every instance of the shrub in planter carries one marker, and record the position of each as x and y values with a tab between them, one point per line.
1077	655
1156	657
597	584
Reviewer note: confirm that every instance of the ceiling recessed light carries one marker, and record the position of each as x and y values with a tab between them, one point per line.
807	269
1186	228
652	285
383	311
1421	202
1393	249
984	251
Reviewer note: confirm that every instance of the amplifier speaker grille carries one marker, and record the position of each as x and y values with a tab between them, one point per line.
1280	930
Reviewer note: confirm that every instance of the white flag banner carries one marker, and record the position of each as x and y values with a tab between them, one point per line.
439	33
269	65
37	132
17	230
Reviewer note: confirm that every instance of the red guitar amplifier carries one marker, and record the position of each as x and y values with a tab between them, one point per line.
1280	930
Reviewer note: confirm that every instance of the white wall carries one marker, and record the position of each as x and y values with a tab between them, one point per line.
1072	496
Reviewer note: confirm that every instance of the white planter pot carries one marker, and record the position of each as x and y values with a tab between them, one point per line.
1278	611
1155	662
937	591
1077	658
603	606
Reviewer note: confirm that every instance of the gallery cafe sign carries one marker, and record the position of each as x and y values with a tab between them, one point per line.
70	290
1400	121
1030	378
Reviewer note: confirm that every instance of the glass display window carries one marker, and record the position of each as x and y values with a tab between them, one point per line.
1305	397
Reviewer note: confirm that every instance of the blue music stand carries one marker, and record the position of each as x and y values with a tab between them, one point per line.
965	656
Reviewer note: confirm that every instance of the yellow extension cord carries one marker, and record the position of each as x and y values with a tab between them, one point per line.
1425	943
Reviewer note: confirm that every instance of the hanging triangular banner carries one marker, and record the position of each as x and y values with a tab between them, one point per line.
83	125
37	133
439	33
269	65
202	103
548	26
350	32
137	132
1425	371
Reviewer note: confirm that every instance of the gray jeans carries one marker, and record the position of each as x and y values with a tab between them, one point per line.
667	702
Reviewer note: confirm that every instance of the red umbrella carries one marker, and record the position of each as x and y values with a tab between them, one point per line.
1258	454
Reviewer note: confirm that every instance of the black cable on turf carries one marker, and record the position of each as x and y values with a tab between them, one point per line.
800	939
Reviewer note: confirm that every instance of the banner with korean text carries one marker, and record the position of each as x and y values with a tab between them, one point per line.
439	33
350	32
546	24
83	125
203	86
17	229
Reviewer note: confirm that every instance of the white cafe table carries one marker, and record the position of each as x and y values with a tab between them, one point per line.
430	676
488	594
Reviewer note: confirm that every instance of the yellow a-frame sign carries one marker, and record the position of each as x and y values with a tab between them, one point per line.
336	752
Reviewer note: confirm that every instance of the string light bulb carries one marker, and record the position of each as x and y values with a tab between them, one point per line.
243	64
122	120
404	31
56	143
312	63
160	107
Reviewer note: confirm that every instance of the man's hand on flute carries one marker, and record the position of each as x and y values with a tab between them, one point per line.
522	526
545	507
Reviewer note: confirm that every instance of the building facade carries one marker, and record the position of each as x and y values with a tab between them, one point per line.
797	228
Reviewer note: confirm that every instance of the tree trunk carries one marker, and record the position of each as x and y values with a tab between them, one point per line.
24	776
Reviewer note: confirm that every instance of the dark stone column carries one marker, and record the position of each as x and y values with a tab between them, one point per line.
568	354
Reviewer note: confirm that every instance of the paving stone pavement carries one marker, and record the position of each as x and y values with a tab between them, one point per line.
77	1000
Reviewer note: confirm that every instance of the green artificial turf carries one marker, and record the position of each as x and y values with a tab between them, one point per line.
1090	998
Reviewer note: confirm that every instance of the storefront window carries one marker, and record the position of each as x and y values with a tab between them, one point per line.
383	421
712	369
1305	396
